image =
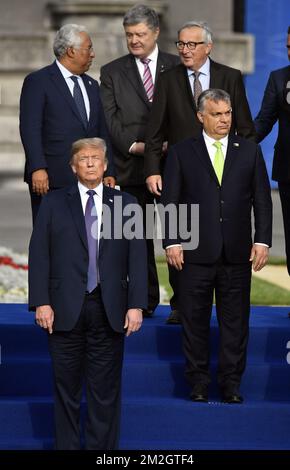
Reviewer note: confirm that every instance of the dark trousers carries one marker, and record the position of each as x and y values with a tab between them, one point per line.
284	191
92	353
144	197
231	283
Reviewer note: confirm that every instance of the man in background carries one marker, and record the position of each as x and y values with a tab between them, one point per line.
276	107
174	112
60	104
128	88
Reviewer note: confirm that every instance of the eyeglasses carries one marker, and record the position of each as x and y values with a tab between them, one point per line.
190	45
89	49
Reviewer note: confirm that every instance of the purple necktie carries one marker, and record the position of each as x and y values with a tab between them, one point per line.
91	220
147	79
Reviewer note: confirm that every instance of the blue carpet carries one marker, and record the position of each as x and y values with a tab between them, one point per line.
156	412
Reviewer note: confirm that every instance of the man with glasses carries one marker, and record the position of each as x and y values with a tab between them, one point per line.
173	116
276	107
60	104
128	88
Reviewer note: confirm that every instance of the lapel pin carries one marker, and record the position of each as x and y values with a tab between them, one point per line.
236	144
111	200
90	82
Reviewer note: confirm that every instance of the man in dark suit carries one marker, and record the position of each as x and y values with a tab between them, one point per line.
276	107
88	285
225	175
173	116
127	91
60	104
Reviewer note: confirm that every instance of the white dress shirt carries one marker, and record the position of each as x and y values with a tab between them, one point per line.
204	76
66	75
98	199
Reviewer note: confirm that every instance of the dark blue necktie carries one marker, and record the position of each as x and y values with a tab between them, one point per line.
79	100
91	219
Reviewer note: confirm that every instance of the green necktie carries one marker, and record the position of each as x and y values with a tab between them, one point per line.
218	162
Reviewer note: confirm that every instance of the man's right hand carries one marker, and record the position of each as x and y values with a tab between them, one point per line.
154	184
39	181
44	317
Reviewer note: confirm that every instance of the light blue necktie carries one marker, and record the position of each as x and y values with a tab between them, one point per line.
91	220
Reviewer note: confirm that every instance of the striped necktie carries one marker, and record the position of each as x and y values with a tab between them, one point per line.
197	88
147	79
79	100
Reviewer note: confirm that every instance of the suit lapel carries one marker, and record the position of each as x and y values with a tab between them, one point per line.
202	153
108	200
61	85
75	205
91	95
232	153
184	84
216	76
131	73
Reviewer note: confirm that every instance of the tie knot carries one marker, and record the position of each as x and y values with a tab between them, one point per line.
91	192
196	74
145	61
74	79
217	145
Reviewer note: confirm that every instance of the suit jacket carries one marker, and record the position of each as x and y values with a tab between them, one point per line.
50	123
127	111
224	211
58	260
276	107
173	116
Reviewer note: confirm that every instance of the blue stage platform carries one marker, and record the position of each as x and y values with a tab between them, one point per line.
156	412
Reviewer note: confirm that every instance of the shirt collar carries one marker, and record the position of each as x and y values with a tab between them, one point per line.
153	56
204	69
210	141
99	189
64	71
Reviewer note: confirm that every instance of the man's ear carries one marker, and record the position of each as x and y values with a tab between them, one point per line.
73	169
200	117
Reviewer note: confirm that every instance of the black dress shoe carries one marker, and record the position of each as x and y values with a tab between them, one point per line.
234	399
147	313
174	318
199	393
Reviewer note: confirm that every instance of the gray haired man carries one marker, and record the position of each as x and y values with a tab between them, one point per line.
59	104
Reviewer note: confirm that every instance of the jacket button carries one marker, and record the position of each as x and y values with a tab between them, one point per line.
221	219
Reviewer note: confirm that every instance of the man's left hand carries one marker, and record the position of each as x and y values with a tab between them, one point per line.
110	181
133	320
259	256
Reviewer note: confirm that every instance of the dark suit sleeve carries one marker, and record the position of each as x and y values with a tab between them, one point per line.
155	132
268	113
121	137
32	103
243	122
171	192
39	264
104	134
262	202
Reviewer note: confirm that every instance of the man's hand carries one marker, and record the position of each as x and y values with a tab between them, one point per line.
138	148
44	317
133	320
154	184
110	181
174	257
259	256
39	181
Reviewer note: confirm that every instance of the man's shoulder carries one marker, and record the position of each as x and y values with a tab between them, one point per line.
282	72
222	68
41	73
166	57
125	197
116	64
